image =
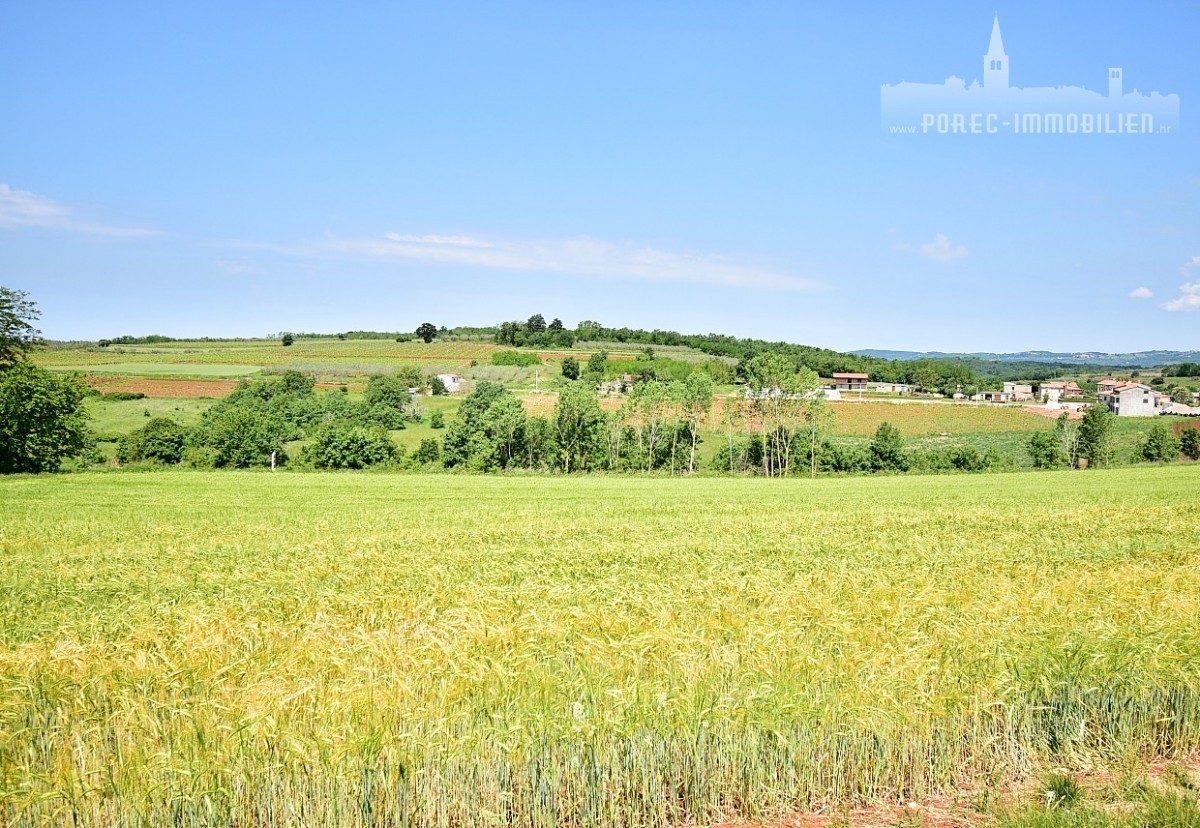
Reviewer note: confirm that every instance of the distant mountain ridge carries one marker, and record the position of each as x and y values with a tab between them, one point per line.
1140	359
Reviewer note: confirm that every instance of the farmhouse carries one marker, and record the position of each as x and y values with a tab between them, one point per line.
992	396
891	388
1107	384
1018	392
1130	399
1053	392
453	382
850	382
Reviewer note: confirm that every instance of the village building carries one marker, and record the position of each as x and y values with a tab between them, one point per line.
453	382
1130	399
850	382
1018	392
1054	392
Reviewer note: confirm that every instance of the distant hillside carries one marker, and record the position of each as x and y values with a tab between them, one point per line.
1141	359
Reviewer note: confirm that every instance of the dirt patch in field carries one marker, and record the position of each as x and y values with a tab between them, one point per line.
1054	413
167	388
542	405
967	810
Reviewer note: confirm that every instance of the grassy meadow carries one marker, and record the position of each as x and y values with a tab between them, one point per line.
240	648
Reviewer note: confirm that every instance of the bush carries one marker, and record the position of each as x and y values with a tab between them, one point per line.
160	440
437	420
287	340
243	436
515	358
887	449
388	390
1045	449
119	396
200	457
840	457
1161	446
570	368
344	445
428	451
1189	442
970	460
294	382
382	416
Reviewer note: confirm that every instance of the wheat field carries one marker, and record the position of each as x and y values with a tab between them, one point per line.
252	649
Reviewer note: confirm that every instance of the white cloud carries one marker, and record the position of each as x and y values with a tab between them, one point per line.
942	250
19	208
581	256
1141	293
1188	299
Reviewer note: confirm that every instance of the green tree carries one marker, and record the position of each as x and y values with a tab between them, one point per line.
818	425
1095	436
780	394
427	331
696	398
17	334
390	391
555	326
428	452
42	419
536	325
437	420
1181	395
295	382
1067	431
541	446
596	362
647	407
1189	442
887	449
488	431
1161	446
570	368
1045	449
925	379
505	424
577	424
287	339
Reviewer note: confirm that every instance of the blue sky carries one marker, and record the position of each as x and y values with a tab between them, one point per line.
239	169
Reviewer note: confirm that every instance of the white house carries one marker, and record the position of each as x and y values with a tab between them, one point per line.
1018	392
1130	399
453	382
1054	392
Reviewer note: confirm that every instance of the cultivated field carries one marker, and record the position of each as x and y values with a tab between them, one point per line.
919	419
255	649
268	352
